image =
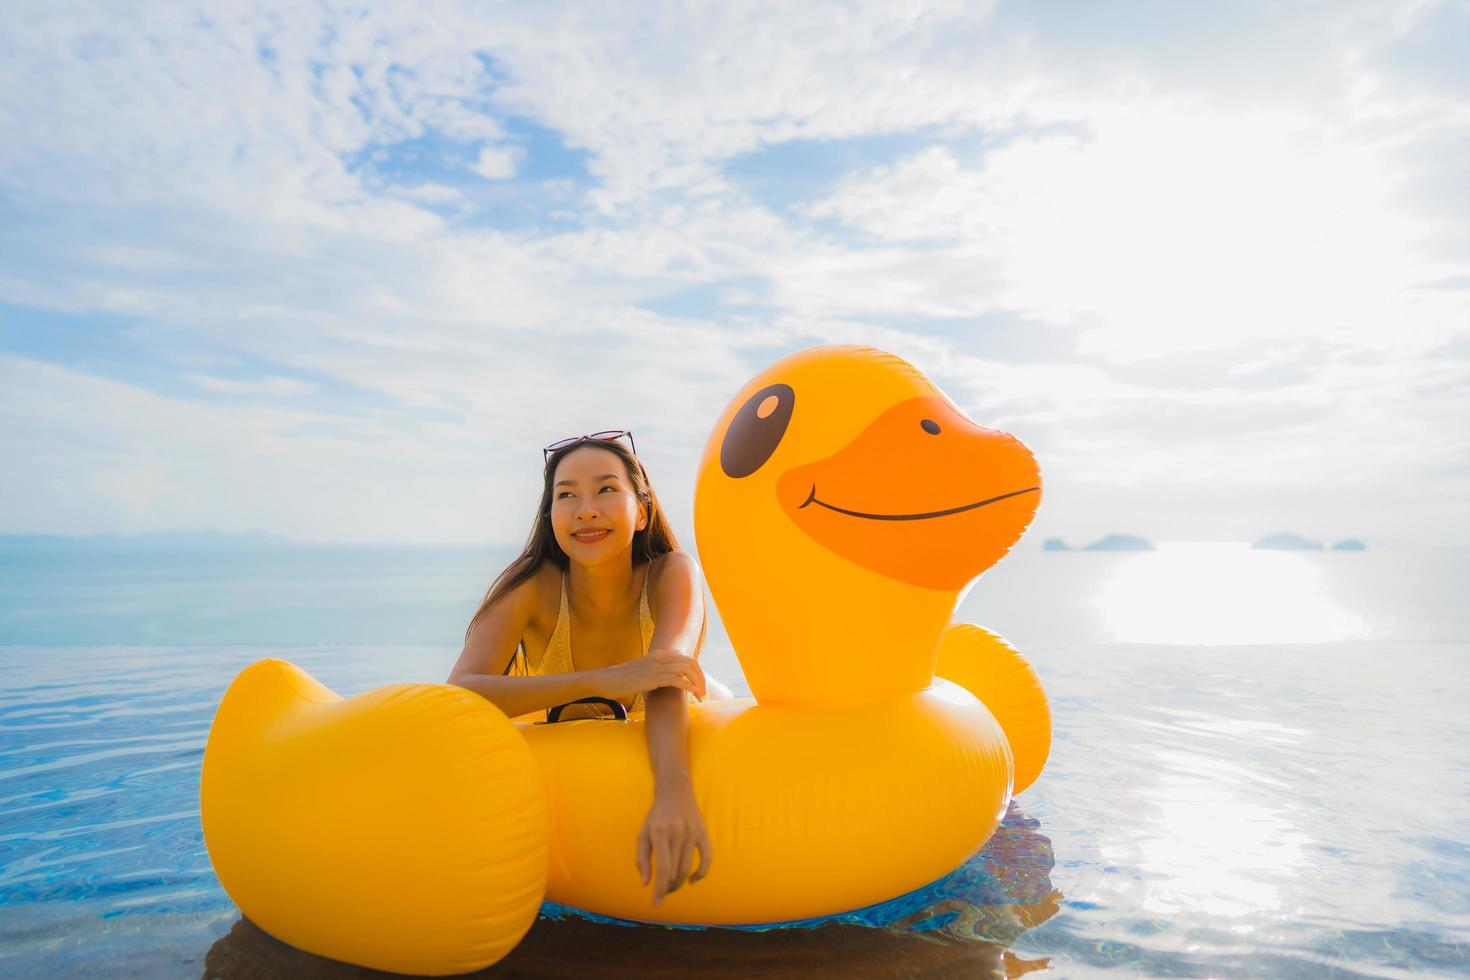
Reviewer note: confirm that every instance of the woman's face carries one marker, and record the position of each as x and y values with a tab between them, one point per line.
591	492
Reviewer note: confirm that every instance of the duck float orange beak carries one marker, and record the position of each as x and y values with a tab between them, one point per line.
843	505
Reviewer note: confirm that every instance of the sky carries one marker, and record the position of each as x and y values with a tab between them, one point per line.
338	272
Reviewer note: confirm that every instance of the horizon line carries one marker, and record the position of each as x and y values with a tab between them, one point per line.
268	538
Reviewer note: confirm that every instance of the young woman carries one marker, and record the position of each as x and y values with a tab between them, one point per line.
602	610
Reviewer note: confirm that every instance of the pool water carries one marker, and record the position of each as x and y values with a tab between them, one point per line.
1235	789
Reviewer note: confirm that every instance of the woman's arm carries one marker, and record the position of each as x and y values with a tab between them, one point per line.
678	605
519	695
674	827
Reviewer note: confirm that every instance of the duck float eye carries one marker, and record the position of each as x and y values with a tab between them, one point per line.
756	430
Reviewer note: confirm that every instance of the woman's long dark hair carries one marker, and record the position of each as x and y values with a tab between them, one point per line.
656	538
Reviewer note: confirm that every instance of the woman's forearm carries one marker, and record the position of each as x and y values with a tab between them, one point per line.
666	718
519	695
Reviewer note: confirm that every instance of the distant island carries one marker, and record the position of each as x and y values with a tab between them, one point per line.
1295	542
1272	542
1113	542
156	539
208	541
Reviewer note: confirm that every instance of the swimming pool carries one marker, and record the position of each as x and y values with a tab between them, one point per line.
1247	809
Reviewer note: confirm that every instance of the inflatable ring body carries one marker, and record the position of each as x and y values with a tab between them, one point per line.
843	506
803	809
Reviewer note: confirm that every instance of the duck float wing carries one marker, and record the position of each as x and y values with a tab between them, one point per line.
992	670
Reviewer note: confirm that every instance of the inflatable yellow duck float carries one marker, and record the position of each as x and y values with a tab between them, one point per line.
843	506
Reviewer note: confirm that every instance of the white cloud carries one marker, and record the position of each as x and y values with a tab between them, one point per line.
496	163
1054	228
106	456
1160	231
285	387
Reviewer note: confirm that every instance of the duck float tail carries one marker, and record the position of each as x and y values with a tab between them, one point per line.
843	505
403	829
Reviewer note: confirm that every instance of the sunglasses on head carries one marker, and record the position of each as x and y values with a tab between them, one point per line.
607	436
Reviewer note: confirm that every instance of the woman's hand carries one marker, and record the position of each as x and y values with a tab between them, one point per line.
655	669
668	839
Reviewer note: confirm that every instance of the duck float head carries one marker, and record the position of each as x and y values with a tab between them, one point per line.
842	507
844	503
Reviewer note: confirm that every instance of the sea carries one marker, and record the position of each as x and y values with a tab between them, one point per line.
1260	766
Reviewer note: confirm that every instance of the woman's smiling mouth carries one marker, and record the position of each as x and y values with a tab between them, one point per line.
913	517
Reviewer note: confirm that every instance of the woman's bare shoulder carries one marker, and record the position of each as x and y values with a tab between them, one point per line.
537	596
545	584
668	560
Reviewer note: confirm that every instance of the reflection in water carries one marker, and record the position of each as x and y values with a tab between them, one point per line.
963	927
995	896
1205	850
1222	593
1216	838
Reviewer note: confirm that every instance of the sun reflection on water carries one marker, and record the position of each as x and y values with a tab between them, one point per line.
1205	849
1209	593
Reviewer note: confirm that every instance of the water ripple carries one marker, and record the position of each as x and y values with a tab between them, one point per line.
1291	812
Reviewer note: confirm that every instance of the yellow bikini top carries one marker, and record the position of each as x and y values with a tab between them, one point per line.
558	656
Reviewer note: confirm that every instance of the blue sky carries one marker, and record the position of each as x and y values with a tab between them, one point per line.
338	272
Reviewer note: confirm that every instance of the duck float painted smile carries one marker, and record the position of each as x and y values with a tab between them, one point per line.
843	505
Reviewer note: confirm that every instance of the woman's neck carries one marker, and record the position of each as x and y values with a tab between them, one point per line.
601	591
